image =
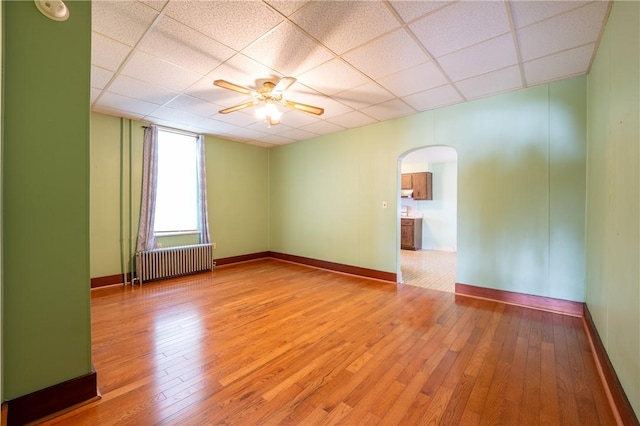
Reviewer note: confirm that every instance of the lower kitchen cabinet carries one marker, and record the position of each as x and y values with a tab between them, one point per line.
411	233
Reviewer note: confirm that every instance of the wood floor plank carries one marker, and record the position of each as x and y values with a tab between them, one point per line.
436	409
374	393
416	410
271	342
566	398
549	407
587	411
398	410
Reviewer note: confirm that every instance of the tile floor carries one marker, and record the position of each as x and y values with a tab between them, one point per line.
429	269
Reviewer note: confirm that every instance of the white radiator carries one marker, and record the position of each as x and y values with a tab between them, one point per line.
173	261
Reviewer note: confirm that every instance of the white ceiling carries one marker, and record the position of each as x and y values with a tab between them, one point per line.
362	61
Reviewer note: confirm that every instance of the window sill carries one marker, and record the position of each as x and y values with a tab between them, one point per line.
173	233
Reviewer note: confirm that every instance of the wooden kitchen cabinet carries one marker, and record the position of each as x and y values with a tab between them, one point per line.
406	181
411	233
420	183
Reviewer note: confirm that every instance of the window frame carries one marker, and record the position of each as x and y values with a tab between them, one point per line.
177	232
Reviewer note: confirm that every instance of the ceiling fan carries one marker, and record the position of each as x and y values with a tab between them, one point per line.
267	96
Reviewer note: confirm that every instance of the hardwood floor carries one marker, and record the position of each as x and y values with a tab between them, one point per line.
269	342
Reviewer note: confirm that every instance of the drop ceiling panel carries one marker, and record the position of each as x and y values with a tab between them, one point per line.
155	71
575	28
386	55
433	98
100	77
155	4
362	61
124	21
341	26
353	119
319	77
262	144
127	104
298	119
205	90
133	88
411	10
233	23
461	25
277	140
176	115
243	71
494	82
286	7
239	119
363	96
94	94
171	123
388	110
117	112
107	53
194	105
216	127
298	135
481	58
185	47
417	79
249	134
566	64
275	50
527	12
323	128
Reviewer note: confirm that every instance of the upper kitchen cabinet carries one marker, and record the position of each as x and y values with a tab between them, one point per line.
420	183
406	181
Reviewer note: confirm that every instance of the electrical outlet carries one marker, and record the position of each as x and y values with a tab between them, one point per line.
214	245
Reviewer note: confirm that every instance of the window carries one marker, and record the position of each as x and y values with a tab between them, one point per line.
177	184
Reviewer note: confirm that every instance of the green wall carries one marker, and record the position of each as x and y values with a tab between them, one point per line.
521	183
116	178
613	195
237	197
237	192
45	167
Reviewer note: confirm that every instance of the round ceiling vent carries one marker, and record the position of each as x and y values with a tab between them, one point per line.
53	9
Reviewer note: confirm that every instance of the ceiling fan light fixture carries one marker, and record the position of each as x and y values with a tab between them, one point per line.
269	113
267	98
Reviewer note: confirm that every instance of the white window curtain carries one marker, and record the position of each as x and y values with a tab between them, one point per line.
146	237
203	216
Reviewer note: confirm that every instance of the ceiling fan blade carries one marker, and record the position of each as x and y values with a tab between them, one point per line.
239	107
230	86
283	85
303	107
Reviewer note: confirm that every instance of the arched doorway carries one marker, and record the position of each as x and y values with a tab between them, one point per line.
427	251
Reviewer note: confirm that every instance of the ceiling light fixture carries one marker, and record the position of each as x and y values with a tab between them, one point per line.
269	96
269	113
53	9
